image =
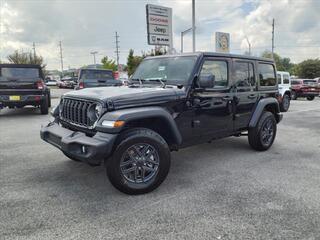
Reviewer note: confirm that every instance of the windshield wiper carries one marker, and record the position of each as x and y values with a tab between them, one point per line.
138	79
163	84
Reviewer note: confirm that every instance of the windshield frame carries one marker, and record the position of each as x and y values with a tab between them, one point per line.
153	81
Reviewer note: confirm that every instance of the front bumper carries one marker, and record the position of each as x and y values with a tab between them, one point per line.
91	150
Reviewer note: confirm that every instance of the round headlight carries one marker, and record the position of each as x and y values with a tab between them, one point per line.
98	110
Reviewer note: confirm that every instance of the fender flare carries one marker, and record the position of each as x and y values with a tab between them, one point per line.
131	114
260	108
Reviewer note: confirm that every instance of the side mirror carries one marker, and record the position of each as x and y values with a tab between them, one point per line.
206	80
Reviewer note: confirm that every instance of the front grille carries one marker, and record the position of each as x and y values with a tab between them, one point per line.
75	111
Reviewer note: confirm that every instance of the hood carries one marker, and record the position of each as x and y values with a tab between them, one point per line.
126	96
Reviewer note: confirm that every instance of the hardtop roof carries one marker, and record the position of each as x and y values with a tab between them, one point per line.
14	65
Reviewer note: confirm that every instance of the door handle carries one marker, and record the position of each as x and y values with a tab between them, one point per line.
227	98
252	96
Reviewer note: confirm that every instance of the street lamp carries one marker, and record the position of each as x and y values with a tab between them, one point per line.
182	34
94	58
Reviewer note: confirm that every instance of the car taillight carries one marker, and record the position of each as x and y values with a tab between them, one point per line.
81	85
40	84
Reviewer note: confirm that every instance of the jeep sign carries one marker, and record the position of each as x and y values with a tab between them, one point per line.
159	25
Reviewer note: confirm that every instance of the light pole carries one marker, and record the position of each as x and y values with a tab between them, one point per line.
193	26
94	58
182	34
249	44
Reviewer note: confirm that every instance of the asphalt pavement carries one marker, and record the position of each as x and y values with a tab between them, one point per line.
221	190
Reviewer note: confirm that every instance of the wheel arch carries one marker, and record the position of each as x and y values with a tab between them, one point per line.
265	104
156	118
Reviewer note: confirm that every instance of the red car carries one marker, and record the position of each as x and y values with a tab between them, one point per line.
307	88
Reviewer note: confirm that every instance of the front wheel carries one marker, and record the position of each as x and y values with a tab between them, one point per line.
140	163
310	98
261	137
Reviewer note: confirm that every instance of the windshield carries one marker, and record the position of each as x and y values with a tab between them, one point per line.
309	82
172	70
94	75
19	73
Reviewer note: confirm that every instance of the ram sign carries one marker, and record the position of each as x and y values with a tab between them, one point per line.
159	25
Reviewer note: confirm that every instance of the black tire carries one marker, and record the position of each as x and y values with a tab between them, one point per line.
130	140
310	98
49	100
255	135
44	109
285	103
72	158
294	95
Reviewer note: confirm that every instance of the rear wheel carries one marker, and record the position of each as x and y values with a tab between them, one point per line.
44	105
285	104
49	99
294	95
310	98
261	137
140	163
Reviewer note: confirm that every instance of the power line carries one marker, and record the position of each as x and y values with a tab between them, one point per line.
61	58
117	49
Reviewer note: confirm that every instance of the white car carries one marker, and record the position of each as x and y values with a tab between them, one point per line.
284	84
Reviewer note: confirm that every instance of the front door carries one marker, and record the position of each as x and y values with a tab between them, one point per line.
213	105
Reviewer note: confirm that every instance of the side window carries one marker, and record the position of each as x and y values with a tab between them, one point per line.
267	75
279	78
244	74
286	79
218	69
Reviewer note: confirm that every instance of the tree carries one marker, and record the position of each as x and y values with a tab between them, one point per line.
309	68
283	64
133	62
109	64
21	57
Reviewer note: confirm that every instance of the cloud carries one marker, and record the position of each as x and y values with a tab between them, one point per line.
84	26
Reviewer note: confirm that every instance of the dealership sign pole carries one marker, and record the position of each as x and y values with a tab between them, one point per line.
159	26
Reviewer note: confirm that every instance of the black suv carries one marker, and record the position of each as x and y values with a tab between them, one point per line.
172	102
96	78
23	84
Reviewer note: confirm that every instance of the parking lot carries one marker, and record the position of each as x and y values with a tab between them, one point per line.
221	190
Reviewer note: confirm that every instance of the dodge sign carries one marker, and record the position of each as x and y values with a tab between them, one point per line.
159	25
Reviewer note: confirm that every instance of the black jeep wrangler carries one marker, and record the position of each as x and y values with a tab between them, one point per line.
22	85
172	102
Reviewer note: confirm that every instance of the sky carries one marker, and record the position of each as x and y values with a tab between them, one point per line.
84	26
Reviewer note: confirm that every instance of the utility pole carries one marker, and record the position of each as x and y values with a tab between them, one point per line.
117	49
182	34
94	58
249	44
272	38
34	50
193	26
61	58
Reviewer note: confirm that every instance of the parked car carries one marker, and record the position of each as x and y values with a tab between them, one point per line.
96	78
307	88
318	80
284	85
51	82
22	85
67	82
173	101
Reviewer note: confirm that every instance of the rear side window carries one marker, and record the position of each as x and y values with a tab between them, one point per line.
286	79
244	74
267	76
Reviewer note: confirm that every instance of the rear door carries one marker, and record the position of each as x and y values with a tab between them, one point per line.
246	94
